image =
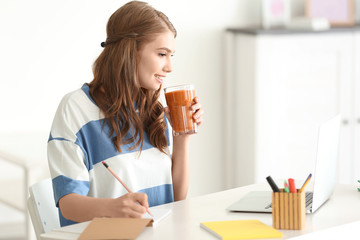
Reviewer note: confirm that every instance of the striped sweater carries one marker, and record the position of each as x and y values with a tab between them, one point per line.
77	145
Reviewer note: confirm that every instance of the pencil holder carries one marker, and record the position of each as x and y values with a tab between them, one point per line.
288	210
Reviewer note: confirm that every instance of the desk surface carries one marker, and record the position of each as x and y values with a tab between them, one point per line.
184	221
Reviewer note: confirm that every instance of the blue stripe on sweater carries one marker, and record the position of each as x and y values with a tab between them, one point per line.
63	185
97	146
159	195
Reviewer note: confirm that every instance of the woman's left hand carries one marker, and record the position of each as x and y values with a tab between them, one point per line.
195	107
198	111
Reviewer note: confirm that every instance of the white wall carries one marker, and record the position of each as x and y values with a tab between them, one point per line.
47	49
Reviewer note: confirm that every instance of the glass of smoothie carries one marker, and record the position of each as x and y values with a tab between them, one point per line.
179	100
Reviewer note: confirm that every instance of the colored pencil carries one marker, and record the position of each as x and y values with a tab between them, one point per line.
305	183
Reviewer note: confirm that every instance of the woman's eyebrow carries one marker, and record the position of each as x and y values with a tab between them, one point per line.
166	49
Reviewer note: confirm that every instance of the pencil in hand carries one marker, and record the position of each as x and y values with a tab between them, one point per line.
122	183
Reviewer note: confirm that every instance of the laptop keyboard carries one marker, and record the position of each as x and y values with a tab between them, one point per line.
308	200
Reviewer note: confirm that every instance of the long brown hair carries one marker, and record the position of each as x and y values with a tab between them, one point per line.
127	107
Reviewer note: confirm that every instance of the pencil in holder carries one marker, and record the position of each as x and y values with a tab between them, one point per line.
288	210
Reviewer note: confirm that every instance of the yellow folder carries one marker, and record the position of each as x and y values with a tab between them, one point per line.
240	229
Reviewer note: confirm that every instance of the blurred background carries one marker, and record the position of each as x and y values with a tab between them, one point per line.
47	49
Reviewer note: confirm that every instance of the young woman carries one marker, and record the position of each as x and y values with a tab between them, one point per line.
118	118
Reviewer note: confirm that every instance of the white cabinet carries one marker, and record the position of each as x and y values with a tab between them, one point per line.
280	86
352	138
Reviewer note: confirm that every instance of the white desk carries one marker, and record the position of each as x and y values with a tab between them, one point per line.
184	221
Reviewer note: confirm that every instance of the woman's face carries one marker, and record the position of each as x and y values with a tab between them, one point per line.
155	60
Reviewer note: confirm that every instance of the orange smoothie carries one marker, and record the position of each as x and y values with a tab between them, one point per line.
179	102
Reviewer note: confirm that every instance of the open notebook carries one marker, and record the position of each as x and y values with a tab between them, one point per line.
160	212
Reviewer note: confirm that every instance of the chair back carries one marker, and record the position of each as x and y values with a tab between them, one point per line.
41	205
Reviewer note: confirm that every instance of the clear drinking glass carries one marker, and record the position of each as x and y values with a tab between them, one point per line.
179	100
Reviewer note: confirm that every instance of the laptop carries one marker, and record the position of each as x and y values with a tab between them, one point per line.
324	177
